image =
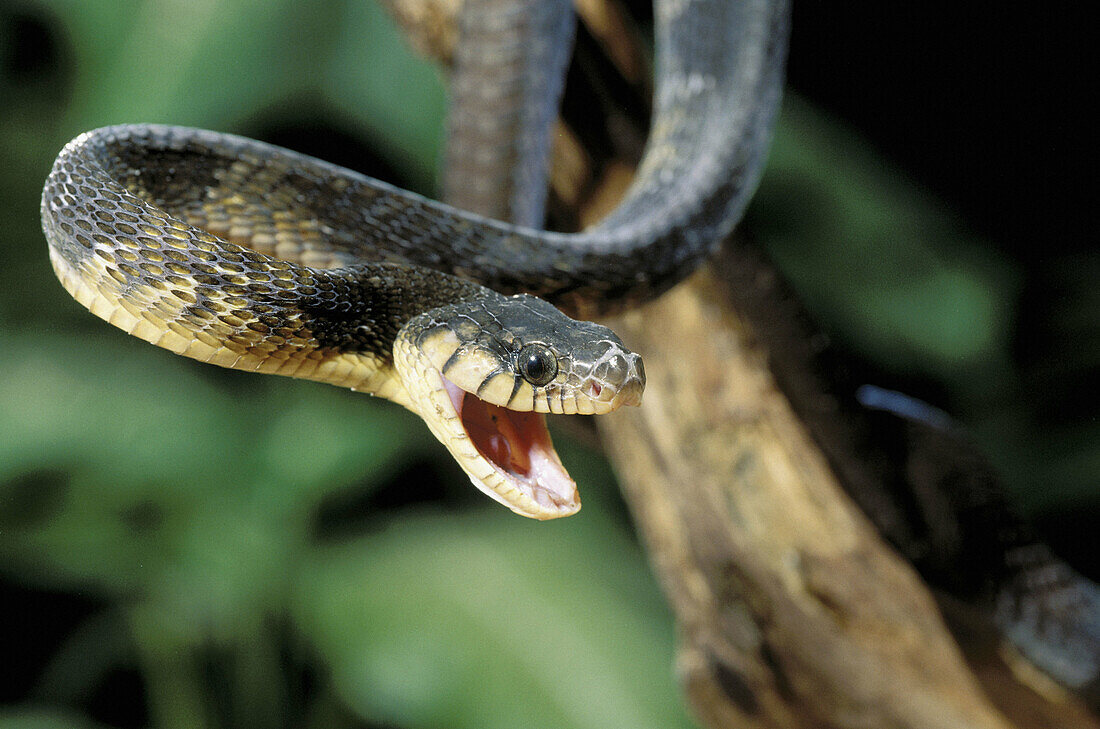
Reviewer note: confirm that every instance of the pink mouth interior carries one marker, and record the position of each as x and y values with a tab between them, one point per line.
517	444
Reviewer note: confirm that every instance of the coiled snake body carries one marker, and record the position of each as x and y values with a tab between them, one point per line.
244	255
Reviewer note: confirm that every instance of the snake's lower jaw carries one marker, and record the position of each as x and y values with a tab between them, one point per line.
528	476
507	454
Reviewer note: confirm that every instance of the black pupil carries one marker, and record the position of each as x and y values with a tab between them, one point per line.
537	365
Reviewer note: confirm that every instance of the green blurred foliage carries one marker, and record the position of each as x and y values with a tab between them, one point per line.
188	505
918	292
899	279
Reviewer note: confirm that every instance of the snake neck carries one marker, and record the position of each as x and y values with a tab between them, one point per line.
365	307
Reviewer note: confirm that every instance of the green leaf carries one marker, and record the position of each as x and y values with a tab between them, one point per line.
118	459
203	64
485	620
39	718
399	97
879	260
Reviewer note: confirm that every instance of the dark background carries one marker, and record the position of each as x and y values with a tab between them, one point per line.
984	104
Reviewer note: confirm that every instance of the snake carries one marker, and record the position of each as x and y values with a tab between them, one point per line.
241	254
245	255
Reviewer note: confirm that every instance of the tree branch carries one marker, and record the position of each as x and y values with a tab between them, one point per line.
792	610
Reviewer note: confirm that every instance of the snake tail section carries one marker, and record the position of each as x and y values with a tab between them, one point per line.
506	85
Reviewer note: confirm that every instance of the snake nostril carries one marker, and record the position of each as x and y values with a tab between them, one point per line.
593	389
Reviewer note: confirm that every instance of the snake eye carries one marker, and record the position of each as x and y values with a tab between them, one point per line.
537	364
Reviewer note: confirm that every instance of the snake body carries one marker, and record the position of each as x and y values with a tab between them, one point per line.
245	255
508	76
959	529
140	230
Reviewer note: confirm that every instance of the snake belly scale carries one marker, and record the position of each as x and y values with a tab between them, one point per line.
245	255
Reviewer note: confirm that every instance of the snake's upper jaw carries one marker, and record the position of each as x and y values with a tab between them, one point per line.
507	454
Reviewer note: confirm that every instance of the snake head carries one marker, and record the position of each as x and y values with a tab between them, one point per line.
482	373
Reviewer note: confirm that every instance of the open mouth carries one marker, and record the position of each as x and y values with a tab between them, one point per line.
518	447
